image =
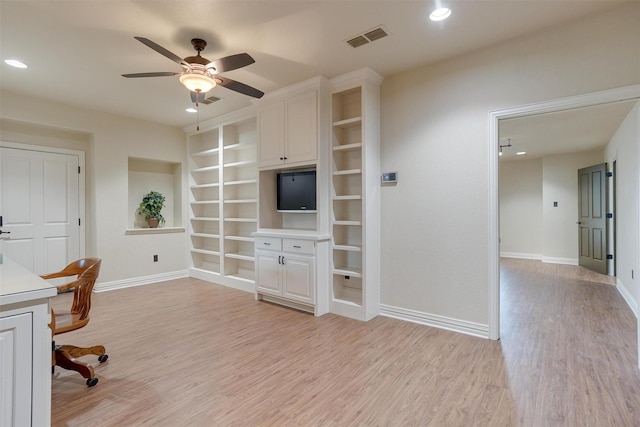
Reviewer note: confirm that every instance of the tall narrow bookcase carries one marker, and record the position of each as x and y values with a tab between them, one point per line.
355	195
223	199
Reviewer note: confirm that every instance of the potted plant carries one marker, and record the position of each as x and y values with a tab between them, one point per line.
150	207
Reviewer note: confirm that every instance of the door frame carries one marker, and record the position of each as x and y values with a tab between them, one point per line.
81	181
625	93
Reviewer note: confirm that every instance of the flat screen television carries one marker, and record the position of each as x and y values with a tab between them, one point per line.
296	191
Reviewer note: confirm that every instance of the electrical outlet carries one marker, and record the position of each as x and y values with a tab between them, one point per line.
155	258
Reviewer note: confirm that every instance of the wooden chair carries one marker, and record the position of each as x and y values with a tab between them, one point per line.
77	317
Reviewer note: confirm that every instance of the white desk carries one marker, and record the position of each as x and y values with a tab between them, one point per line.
25	347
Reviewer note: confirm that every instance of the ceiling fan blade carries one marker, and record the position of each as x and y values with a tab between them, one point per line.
239	87
162	51
159	74
232	62
197	97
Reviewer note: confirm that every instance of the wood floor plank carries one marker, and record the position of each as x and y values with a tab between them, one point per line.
192	353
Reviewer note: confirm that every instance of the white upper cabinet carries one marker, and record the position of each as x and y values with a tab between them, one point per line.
288	128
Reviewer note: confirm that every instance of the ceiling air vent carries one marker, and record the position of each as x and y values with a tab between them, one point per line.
211	100
368	36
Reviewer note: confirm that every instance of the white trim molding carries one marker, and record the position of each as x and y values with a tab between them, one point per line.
521	255
138	281
436	321
625	93
556	260
622	289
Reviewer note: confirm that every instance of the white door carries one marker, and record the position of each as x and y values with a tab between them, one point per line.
39	208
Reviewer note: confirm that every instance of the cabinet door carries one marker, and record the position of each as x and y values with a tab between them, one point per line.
271	135
301	128
15	370
269	272
298	278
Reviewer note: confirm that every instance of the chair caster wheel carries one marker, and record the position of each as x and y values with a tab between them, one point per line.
103	358
91	382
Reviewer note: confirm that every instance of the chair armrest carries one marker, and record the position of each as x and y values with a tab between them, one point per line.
67	286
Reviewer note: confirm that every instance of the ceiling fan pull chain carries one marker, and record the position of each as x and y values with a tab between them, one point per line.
197	112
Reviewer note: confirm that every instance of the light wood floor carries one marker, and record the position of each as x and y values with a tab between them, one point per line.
190	353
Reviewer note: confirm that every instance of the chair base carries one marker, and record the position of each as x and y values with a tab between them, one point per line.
66	357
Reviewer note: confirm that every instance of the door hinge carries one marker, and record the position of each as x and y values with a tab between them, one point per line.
609	215
78	221
609	256
609	174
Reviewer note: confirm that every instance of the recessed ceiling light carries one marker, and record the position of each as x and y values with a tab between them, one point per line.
440	14
191	110
521	153
15	63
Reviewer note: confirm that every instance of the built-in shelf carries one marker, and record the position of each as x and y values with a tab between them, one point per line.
348	197
159	230
348	147
355	179
223	183
347	172
206	235
348	123
205	153
205	251
353	248
339	222
246	256
348	271
206	169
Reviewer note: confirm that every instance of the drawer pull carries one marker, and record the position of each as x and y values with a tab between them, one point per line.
297	246
268	244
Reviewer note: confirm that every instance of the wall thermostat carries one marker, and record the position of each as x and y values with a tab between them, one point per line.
389	177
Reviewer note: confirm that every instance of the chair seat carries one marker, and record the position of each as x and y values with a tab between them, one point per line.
67	321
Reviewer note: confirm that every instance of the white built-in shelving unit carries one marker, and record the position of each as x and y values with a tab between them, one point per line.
355	195
292	249
223	199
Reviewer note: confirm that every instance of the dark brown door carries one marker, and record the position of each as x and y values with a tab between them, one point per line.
592	223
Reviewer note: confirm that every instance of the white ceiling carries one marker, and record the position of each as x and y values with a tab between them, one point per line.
571	131
77	50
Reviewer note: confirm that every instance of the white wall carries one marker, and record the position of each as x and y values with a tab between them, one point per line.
521	208
109	141
560	184
624	148
435	132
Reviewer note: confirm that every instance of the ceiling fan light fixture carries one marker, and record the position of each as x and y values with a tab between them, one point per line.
440	14
197	82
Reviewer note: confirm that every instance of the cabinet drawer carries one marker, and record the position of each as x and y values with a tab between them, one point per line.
299	246
269	243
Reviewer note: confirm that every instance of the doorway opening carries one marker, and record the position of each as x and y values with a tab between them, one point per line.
598	98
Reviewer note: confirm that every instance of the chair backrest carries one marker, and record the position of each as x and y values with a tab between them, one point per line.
83	287
74	269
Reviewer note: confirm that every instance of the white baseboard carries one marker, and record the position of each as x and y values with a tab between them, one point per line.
521	255
436	321
138	281
632	303
555	260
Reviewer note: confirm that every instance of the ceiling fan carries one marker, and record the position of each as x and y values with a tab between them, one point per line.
200	75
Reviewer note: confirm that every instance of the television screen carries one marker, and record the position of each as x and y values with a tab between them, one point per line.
296	191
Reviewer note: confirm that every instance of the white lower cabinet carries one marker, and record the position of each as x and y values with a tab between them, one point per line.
285	269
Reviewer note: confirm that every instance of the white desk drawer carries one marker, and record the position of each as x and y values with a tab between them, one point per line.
299	246
269	243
